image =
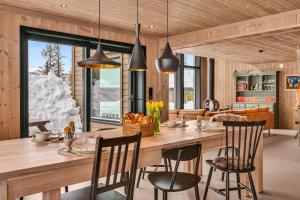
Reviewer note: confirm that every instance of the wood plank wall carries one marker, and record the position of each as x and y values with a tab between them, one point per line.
225	88
10	21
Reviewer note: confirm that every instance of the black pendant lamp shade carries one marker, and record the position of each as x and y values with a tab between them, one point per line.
167	63
99	59
137	60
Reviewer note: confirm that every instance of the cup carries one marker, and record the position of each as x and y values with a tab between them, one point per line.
80	138
55	135
42	136
171	124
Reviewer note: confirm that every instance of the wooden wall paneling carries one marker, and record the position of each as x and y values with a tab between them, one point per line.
225	92
10	62
203	75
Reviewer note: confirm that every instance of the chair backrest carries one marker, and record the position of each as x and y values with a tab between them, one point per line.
244	137
117	149
184	153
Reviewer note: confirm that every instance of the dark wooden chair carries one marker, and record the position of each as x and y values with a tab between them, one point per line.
177	181
246	140
99	191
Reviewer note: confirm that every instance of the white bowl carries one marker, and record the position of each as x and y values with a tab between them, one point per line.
213	124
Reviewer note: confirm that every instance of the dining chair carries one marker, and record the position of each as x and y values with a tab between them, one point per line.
114	151
244	136
175	181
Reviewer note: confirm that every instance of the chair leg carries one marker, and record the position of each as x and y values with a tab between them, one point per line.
165	196
21	198
170	165
155	193
238	180
252	186
223	176
139	178
144	172
208	182
227	186
197	192
66	188
219	154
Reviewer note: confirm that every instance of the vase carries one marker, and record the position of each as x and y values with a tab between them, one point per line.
68	140
156	124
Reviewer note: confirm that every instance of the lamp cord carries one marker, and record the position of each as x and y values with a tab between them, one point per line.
167	20
99	19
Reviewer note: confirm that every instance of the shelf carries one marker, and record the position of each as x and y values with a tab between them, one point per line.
269	82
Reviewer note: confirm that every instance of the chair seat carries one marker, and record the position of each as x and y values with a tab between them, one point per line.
183	181
220	163
84	194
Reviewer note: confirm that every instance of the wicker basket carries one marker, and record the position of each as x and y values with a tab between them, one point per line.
131	129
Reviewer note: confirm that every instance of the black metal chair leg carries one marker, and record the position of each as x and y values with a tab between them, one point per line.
227	186
252	186
66	188
238	180
197	192
21	198
139	178
155	193
165	196
208	182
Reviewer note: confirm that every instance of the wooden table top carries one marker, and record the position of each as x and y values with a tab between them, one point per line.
22	156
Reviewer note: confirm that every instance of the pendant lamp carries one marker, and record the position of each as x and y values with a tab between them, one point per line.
137	60
99	59
167	63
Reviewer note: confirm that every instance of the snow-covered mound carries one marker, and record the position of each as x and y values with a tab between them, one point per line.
50	99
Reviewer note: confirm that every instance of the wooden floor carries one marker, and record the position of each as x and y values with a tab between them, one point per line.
281	165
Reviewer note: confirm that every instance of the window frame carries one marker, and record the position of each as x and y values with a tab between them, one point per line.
88	43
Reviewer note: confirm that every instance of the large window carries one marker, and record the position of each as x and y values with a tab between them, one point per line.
184	87
55	90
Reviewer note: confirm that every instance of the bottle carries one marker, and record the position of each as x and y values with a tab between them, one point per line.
183	119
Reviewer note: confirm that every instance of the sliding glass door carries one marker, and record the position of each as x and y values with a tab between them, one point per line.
55	90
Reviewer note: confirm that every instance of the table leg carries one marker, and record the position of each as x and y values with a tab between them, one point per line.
52	194
190	166
259	164
3	190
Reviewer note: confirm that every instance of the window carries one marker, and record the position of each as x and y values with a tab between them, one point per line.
189	88
171	92
109	87
186	93
50	90
55	90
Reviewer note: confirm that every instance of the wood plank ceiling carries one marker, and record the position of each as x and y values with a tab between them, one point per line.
185	15
277	47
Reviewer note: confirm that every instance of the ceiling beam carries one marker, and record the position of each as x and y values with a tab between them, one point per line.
249	28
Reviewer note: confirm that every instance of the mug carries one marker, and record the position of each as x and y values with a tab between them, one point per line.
42	136
171	124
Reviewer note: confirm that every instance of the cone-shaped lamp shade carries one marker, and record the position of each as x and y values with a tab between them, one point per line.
98	60
167	63
137	60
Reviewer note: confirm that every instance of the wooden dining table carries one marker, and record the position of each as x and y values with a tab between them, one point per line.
27	168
